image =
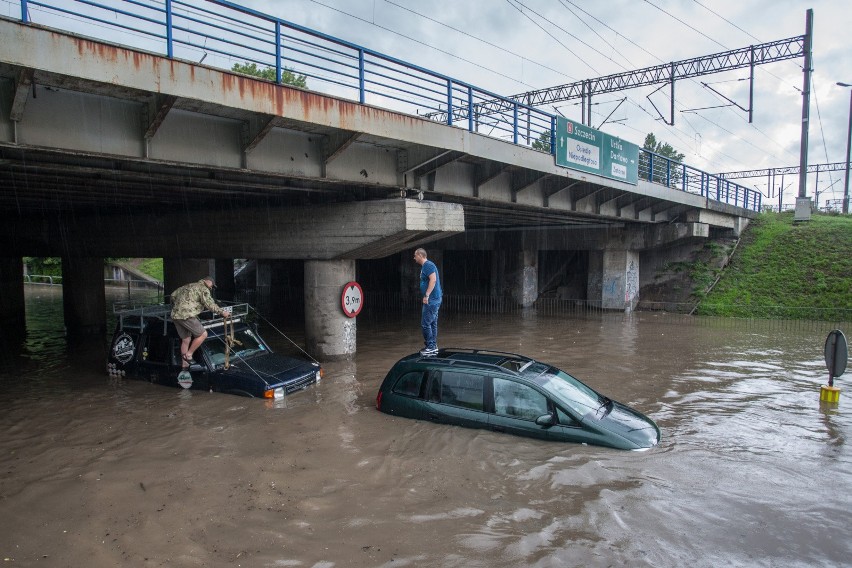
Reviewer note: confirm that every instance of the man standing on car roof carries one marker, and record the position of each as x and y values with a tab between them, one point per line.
187	302
430	290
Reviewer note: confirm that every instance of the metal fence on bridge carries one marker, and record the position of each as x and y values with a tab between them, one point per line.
221	34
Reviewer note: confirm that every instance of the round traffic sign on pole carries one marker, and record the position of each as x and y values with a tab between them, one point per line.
836	354
352	299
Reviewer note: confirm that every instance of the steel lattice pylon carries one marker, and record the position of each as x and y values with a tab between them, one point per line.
750	56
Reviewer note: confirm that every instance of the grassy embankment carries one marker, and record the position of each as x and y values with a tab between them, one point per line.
787	270
152	267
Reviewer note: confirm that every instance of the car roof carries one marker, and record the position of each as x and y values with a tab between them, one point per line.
480	358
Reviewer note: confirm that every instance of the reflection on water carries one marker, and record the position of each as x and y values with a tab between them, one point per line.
751	469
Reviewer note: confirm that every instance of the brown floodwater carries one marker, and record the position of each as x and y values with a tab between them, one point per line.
751	469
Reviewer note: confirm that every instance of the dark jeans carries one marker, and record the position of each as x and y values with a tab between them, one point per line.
429	322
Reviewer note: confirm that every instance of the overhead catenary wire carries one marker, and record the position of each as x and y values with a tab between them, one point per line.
677	103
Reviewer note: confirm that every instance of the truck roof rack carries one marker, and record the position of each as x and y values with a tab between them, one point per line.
138	316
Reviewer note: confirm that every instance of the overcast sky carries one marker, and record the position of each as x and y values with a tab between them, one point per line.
512	46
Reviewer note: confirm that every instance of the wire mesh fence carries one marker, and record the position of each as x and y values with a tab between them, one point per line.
383	306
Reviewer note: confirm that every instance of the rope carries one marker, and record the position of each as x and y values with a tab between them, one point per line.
230	341
282	333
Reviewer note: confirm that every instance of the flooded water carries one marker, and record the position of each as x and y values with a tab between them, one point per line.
751	470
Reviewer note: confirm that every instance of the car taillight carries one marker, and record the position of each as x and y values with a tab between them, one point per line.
379	401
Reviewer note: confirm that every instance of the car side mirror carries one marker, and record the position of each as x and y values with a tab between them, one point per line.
546	420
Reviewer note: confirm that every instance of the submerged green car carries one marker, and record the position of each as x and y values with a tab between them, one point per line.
506	392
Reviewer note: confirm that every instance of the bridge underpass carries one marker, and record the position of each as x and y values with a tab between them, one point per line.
108	151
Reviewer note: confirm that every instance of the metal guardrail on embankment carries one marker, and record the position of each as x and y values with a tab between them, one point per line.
45	280
220	34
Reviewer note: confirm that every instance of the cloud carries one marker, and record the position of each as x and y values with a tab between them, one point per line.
511	46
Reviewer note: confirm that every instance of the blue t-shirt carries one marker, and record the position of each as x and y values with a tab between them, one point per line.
425	270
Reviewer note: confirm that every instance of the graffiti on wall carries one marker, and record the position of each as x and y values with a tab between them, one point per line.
631	288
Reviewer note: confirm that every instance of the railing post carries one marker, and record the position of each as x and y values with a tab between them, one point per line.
668	172
650	166
515	123
683	177
470	108
277	52
169	47
449	102
24	17
361	93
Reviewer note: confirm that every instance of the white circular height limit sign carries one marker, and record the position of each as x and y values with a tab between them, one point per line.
352	299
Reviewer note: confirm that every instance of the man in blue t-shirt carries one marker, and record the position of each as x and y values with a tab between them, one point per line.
430	292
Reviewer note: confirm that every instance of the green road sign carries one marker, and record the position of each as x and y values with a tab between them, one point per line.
582	148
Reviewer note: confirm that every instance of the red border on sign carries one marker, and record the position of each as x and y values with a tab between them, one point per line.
346	287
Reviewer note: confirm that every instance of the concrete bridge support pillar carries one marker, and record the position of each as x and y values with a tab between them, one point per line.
83	296
329	334
180	271
523	276
224	275
614	278
12	305
286	280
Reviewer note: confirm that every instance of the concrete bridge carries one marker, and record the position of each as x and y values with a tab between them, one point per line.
112	151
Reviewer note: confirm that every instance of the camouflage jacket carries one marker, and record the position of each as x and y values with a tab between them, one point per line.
191	299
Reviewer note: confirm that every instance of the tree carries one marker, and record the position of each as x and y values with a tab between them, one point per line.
43	266
543	142
288	77
661	167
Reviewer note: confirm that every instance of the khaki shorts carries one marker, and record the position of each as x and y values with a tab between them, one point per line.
189	328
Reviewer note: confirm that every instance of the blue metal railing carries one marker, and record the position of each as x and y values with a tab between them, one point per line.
222	33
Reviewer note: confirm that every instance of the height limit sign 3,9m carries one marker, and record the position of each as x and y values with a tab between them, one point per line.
582	148
352	299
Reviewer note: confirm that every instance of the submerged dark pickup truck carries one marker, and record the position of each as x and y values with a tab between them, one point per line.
233	359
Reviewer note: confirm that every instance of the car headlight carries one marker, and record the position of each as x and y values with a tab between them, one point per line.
274	393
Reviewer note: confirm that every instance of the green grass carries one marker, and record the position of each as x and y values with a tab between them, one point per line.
786	269
152	267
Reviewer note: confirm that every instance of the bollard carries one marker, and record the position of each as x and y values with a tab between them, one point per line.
829	394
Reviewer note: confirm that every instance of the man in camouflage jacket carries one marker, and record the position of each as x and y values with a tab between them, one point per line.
187	302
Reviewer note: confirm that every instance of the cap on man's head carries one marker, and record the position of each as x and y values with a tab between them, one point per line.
212	282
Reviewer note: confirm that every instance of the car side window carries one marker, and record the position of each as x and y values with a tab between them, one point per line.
157	349
409	384
564	419
518	400
459	389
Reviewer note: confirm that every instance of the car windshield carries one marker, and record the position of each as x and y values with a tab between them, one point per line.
246	344
575	395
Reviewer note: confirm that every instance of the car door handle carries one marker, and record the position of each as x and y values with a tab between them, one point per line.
433	417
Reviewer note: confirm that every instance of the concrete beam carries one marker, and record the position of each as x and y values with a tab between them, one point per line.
22	91
359	230
255	138
160	106
716	219
334	145
671	233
